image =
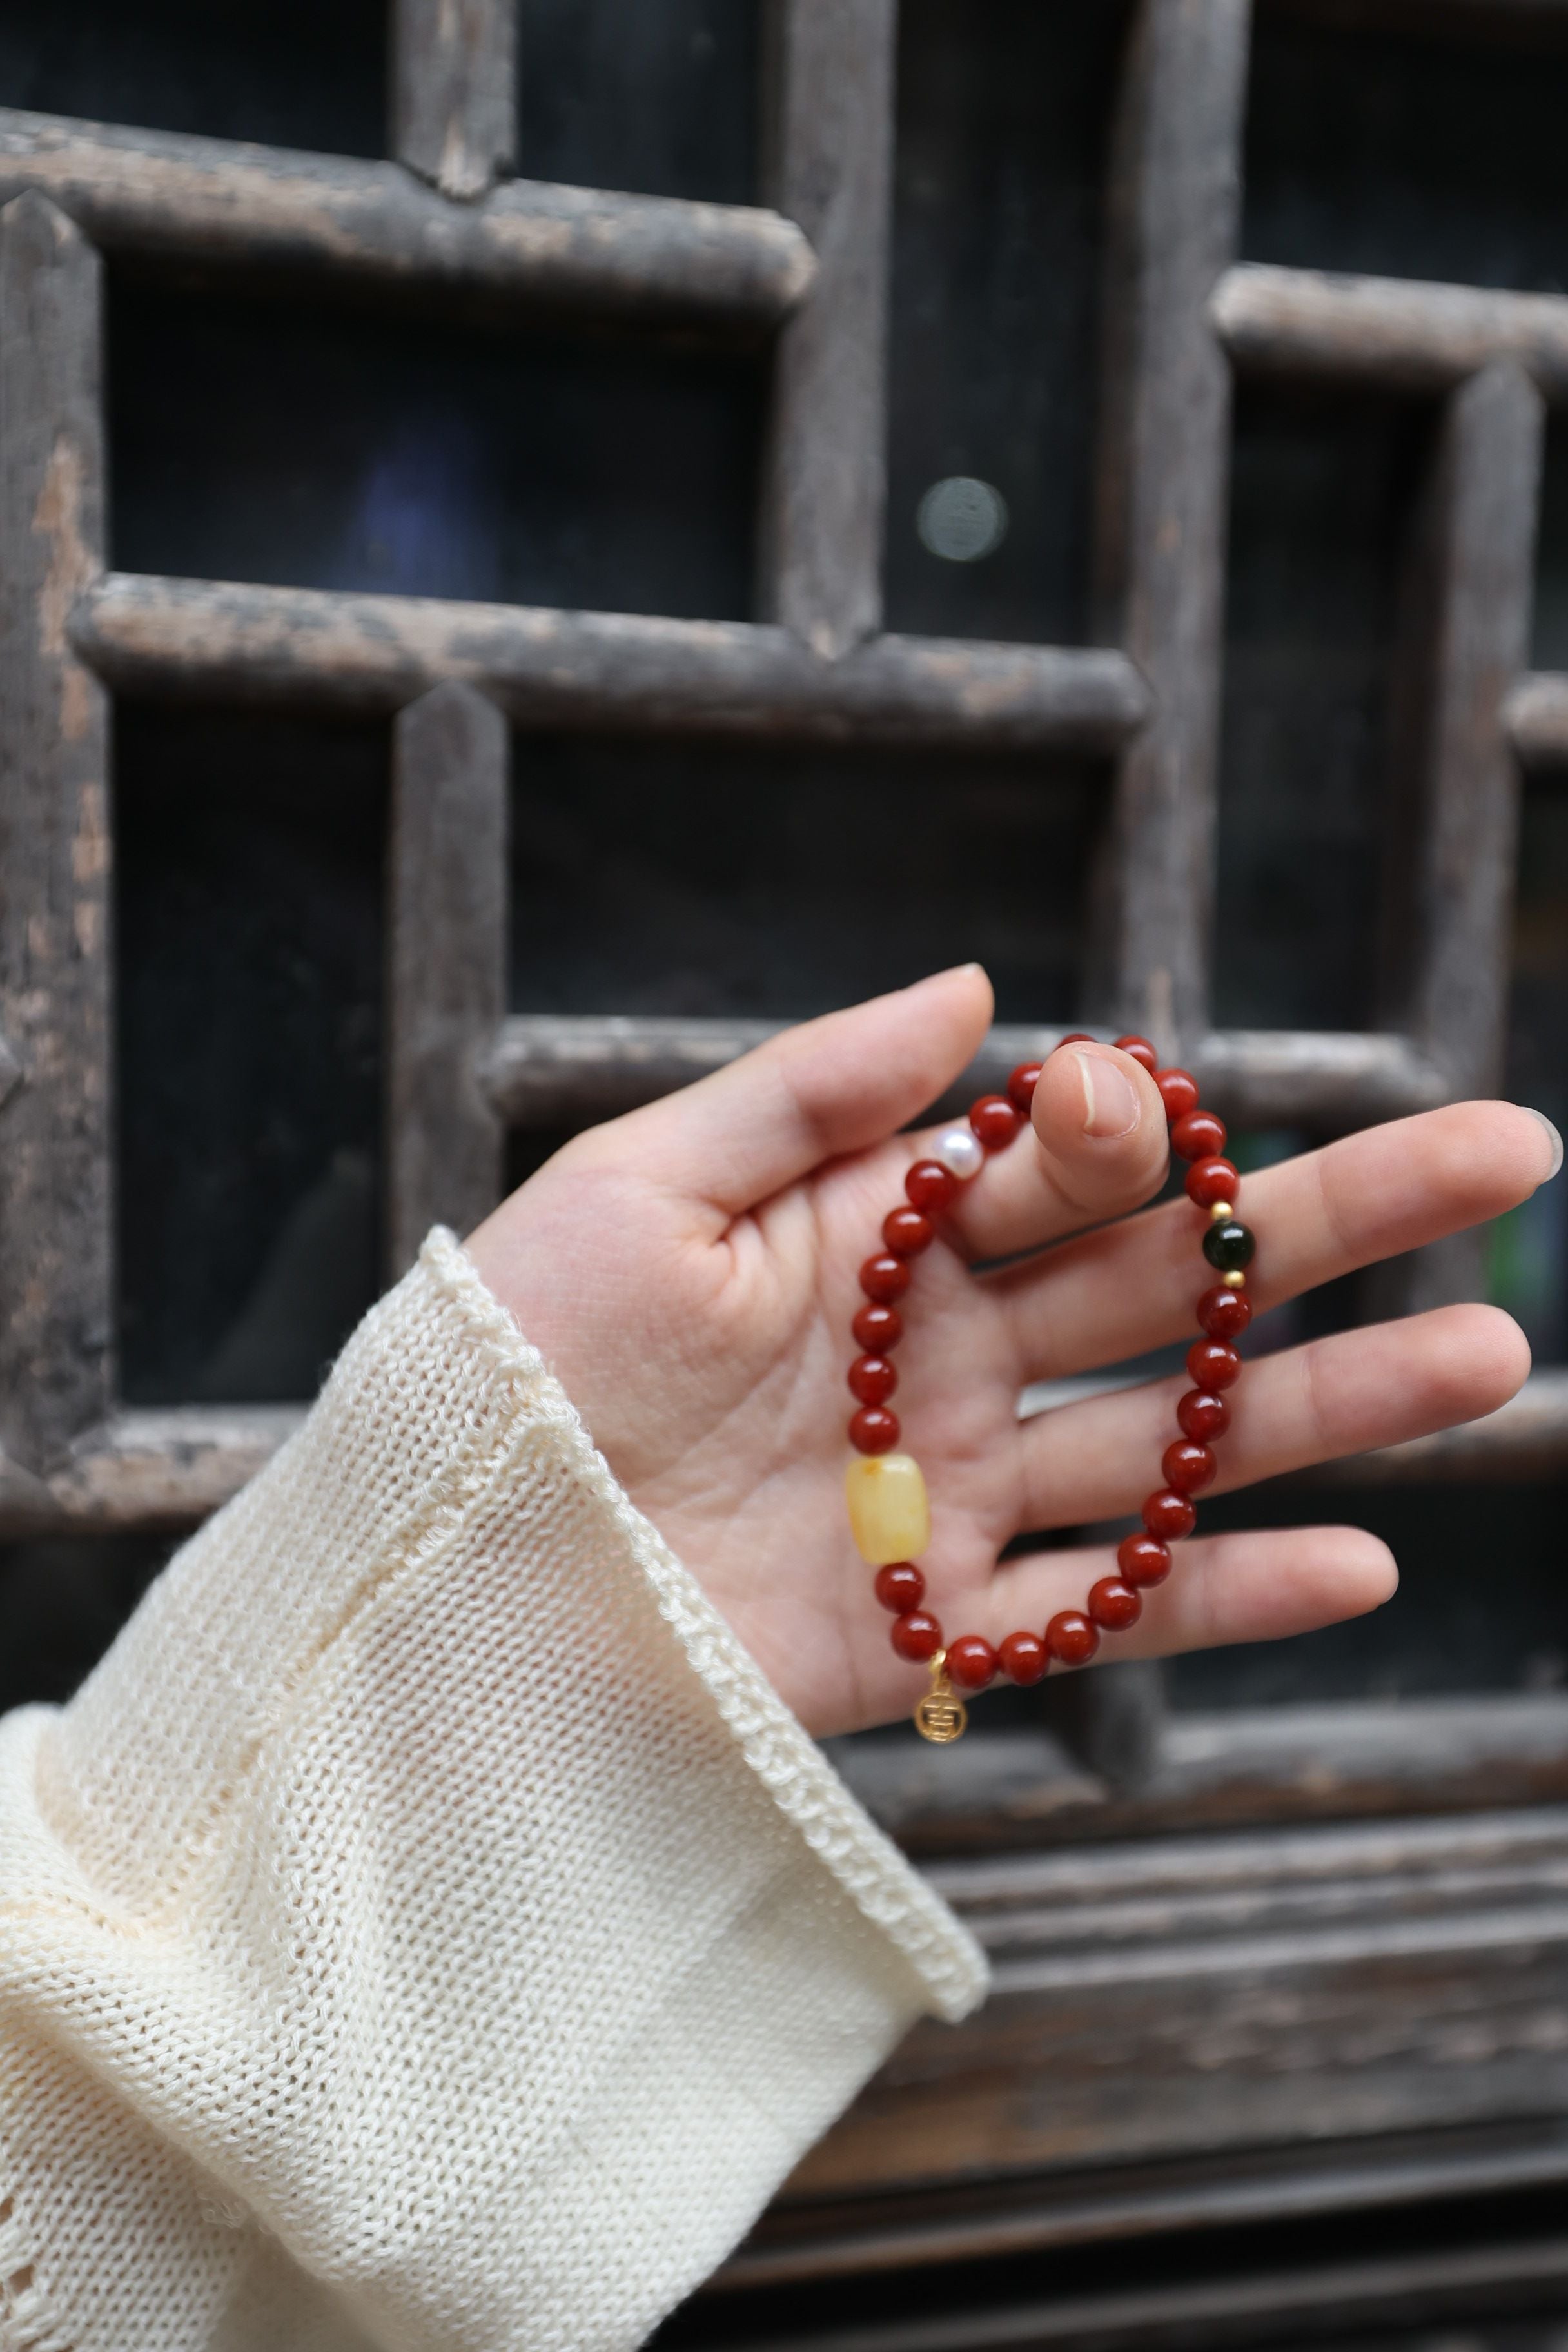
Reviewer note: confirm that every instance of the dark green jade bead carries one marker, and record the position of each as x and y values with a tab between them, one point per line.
1230	1246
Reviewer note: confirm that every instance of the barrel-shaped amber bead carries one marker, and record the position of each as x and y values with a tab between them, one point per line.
890	1516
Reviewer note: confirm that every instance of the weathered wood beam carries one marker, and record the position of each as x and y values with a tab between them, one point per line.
218	640
1161	494
57	1302
829	167
454	91
1328	1081
1400	335
1536	717
146	1471
555	1069
446	942
1453	815
650	257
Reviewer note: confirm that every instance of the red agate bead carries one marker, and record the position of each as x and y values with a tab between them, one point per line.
1203	1415
1169	1514
1188	1468
1210	1181
1198	1135
1073	1037
1213	1364
1224	1314
885	1277
1114	1605
1072	1637
877	1326
1178	1092
916	1635
1025	1657
872	1379
1021	1085
931	1186
907	1233
994	1121
900	1586
972	1662
1143	1560
874	1430
1142	1051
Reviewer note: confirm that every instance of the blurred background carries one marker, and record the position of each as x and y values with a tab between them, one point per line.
1278	2054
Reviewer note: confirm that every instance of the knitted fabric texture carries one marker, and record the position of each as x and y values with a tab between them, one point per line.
365	1980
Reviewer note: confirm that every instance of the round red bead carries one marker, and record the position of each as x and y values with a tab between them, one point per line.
874	1430
885	1277
931	1186
1142	1051
917	1635
877	1326
1224	1314
1072	1637
907	1233
1188	1468
1073	1037
900	1586
1198	1136
1025	1657
1021	1085
1213	1364
994	1121
1114	1605
1143	1560
1209	1181
872	1379
1167	1514
972	1662
1203	1415
1178	1092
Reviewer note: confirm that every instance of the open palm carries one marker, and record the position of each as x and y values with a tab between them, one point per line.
691	1272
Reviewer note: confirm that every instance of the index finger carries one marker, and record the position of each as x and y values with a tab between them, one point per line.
1125	1288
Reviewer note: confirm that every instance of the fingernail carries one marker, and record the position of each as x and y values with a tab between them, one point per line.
1111	1105
1555	1139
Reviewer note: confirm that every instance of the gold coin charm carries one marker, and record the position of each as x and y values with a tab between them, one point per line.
941	1715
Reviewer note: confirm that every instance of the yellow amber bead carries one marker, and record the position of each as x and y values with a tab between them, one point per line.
888	1514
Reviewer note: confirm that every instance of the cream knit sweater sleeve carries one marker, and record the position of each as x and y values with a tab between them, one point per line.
427	1928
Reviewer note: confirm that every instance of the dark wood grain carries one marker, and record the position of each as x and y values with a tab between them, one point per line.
1161	494
1399	333
454	91
1463	640
1016	1788
56	1216
830	121
446	936
214	200
609	671
1249	1991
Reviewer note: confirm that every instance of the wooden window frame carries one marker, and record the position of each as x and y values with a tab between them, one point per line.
1183	317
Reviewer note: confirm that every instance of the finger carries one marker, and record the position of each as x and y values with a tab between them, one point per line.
1125	1288
1098	1458
823	1089
1257	1587
1097	1149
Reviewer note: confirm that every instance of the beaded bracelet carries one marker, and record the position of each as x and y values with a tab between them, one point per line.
890	1515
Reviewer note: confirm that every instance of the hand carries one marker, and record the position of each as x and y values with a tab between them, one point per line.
690	1272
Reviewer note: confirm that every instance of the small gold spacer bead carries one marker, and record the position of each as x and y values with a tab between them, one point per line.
1221	1212
1236	1281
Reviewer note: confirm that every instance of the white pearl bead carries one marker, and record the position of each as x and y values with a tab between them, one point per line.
960	1151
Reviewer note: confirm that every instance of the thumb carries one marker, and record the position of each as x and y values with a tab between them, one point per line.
1101	1128
1100	1138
